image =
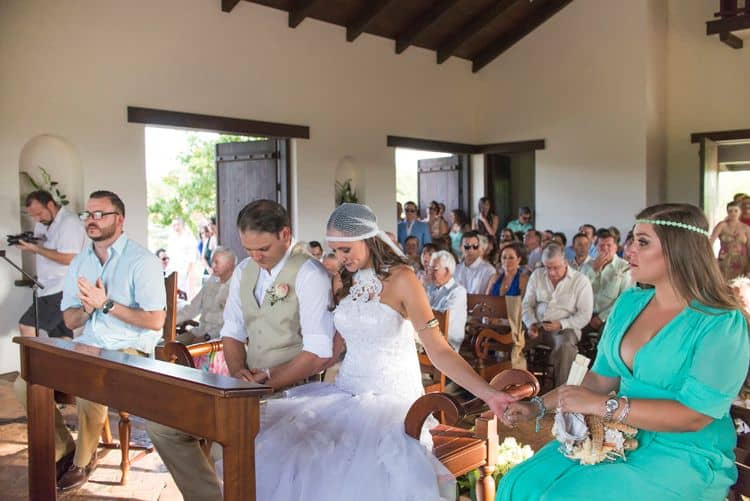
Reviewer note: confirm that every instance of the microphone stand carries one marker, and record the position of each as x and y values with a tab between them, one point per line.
34	286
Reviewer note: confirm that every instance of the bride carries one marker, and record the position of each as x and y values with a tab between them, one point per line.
346	440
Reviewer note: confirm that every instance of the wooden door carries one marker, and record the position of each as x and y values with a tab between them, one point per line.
442	180
248	171
709	180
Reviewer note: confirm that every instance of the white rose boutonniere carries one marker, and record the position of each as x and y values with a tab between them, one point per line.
277	293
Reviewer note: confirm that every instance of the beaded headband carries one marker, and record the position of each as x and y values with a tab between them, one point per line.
676	224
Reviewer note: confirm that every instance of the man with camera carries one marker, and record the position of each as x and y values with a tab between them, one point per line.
57	238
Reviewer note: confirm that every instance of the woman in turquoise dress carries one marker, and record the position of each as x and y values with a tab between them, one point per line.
675	357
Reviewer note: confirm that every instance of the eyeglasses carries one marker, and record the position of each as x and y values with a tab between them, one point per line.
410	210
96	215
470	246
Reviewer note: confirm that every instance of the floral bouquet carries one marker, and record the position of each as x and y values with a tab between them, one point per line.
591	439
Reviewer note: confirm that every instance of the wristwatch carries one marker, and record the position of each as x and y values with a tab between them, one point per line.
610	406
108	306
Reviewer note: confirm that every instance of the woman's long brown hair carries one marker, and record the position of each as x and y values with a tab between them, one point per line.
691	266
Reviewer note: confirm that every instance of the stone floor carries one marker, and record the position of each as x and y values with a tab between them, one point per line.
148	478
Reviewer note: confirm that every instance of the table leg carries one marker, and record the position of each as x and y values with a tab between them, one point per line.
242	416
41	407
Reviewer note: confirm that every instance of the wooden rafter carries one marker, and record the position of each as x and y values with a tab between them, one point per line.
228	5
529	24
299	10
405	39
363	19
728	24
733	41
452	43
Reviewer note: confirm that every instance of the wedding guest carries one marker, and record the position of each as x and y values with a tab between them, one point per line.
670	362
424	274
507	236
413	227
734	237
581	247
473	272
590	231
511	281
445	294
523	223
533	242
438	225
486	222
459	224
316	250
412	250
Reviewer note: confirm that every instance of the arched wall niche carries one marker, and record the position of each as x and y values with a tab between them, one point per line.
61	160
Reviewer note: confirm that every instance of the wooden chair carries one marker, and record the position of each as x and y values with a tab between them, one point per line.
432	378
461	450
742	458
491	340
124	427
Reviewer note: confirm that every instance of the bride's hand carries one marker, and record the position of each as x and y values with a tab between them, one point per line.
519	411
499	401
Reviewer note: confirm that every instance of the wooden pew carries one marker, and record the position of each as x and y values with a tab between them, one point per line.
223	409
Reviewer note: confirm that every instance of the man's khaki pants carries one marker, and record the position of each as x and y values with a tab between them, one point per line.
90	423
564	346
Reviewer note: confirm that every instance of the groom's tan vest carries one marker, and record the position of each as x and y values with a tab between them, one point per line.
273	331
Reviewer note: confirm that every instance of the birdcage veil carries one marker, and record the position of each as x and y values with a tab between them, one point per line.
354	222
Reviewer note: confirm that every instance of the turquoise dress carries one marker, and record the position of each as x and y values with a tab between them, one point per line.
700	358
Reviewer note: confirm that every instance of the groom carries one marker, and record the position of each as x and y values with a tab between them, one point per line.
278	307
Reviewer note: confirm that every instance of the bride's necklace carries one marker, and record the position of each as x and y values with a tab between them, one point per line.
366	286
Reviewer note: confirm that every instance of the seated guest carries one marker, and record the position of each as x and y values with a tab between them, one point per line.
507	236
412	251
210	300
447	295
161	255
590	231
331	263
533	241
413	227
546	236
488	244
459	224
316	250
523	223
424	274
670	363
609	276
511	281
581	245
557	305
617	235
114	289
487	222
474	273
438	225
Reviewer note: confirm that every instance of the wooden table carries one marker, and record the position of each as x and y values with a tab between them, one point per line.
220	408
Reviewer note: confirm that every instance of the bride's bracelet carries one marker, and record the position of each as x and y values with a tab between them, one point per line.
429	325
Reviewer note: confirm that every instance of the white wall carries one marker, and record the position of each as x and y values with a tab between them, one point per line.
71	69
579	82
708	91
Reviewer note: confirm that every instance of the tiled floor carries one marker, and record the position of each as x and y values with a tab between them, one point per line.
148	478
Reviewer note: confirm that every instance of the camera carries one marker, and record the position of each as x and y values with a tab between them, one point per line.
26	236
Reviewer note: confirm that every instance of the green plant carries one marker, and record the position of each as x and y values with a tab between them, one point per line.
345	193
46	184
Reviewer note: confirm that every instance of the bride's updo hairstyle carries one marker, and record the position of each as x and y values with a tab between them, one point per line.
357	222
692	268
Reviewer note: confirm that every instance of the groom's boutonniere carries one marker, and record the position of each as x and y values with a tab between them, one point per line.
277	293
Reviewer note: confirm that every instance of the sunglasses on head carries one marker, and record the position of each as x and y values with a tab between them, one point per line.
471	246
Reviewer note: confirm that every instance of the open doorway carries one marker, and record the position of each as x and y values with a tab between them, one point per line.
724	170
414	182
509	183
181	184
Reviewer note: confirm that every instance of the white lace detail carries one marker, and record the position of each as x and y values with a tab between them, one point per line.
366	286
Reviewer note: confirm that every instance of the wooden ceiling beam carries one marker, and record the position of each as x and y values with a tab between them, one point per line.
452	43
535	19
405	39
363	19
228	5
728	24
733	41
299	11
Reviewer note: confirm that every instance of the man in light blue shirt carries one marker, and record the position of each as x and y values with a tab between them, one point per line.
523	223
448	295
115	289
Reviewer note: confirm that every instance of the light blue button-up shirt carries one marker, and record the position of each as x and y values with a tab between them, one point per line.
132	276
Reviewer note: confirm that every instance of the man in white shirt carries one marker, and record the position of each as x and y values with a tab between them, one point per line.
210	301
609	276
447	295
533	242
62	237
474	273
558	303
581	244
278	330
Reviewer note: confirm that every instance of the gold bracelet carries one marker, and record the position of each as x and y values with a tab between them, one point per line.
430	324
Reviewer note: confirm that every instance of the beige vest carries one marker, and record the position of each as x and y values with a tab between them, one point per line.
273	331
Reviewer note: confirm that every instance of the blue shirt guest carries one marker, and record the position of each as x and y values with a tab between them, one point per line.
670	362
114	289
446	294
412	227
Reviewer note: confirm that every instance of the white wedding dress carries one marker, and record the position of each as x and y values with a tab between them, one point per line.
346	441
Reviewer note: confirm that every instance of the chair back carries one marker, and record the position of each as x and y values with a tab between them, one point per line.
170	322
483	305
432	379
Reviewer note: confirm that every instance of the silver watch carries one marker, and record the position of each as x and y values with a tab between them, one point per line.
610	407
